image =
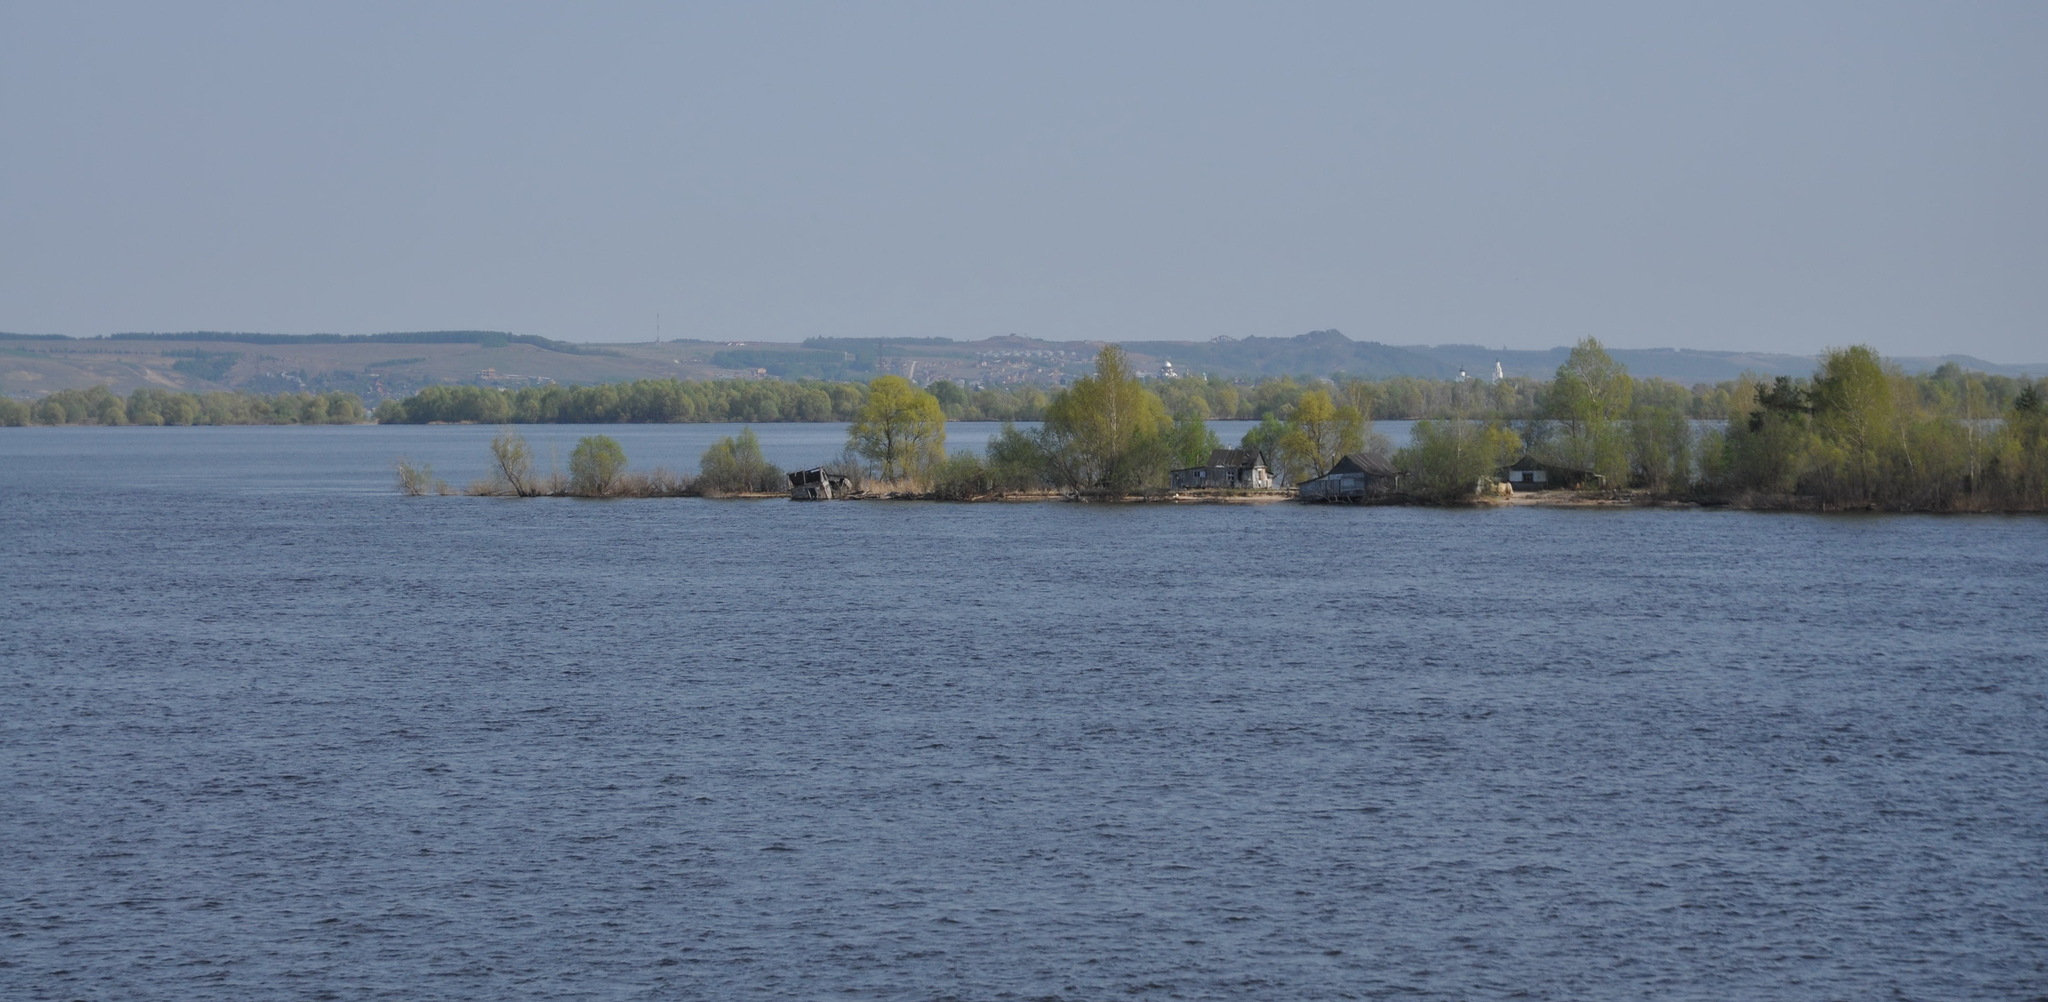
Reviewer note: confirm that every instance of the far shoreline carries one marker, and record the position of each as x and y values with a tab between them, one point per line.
1554	499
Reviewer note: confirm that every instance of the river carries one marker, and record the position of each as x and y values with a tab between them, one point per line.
274	731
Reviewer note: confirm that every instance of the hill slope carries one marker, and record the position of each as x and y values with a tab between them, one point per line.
395	365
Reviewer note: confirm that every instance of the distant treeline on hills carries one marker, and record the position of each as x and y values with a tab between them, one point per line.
646	401
1948	389
663	401
149	406
1006	360
487	339
1400	398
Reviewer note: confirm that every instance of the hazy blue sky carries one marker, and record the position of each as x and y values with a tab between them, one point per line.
1771	176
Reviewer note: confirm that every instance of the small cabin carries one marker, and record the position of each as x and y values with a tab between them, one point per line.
1226	468
1355	477
815	484
1530	474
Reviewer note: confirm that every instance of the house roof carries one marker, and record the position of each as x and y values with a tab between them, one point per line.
1360	462
1528	462
1237	458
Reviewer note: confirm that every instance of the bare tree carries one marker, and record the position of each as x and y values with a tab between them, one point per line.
515	463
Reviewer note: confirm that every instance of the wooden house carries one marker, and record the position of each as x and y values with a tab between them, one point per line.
815	484
1354	477
1226	468
1531	474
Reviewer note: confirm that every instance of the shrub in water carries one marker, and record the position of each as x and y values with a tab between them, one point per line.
595	465
735	465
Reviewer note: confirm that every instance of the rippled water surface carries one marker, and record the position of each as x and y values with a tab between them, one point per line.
273	731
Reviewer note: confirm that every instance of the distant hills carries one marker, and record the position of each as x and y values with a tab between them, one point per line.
488	339
396	364
1329	352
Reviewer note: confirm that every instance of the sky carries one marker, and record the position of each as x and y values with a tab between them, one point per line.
1719	175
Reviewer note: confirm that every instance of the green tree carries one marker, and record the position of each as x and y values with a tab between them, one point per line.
952	399
1452	460
1189	441
900	431
344	408
2019	453
1017	460
1588	399
1856	416
1767	450
182	409
50	410
961	477
107	408
1661	449
145	406
734	465
1863	433
1266	437
1107	430
595	465
1318	434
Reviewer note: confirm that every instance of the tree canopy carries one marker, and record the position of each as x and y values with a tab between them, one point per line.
595	465
1450	460
1588	399
900	430
1107	430
734	465
1319	432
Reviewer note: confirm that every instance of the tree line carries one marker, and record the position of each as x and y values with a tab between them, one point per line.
1108	433
1858	433
1403	398
1967	395
151	406
661	401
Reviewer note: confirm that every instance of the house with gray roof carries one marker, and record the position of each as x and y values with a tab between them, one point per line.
1354	477
1242	468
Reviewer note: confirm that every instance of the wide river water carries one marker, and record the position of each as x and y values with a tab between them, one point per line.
270	730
